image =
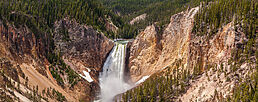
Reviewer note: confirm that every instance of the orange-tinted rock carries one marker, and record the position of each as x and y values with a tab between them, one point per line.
178	43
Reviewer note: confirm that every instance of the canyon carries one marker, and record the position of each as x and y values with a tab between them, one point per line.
79	63
24	58
154	52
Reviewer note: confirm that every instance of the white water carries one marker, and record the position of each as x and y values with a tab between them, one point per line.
112	78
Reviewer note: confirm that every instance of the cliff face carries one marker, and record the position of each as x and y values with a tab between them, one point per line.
151	51
144	53
84	47
212	55
23	61
21	45
138	19
216	49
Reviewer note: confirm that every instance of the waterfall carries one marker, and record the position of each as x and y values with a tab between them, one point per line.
112	78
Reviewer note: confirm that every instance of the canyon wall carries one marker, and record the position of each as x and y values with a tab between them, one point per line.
151	52
210	60
84	47
23	60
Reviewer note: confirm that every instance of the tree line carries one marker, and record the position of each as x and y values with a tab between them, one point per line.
158	11
42	14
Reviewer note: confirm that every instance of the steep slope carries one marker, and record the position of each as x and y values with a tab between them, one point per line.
46	52
24	62
84	47
23	55
164	48
196	59
144	52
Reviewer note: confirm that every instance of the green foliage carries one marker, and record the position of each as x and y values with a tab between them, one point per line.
212	16
208	21
55	74
59	67
246	91
160	87
72	76
65	33
158	11
40	15
59	96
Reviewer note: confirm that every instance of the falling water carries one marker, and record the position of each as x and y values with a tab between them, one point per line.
112	78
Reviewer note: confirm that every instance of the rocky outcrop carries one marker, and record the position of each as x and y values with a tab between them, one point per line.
138	19
178	43
23	60
151	51
20	45
110	26
83	48
217	48
127	61
144	52
214	54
